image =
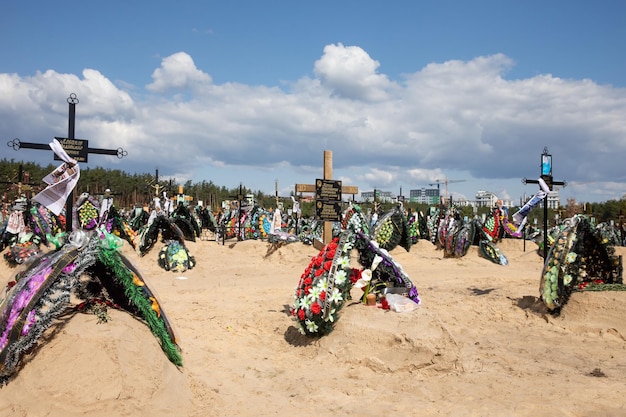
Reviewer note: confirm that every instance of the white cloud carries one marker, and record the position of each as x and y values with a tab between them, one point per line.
177	71
446	117
350	73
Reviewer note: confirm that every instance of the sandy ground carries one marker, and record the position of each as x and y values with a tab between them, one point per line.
480	344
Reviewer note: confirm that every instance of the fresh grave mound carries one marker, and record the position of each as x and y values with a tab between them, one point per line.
81	367
87	267
413	341
596	313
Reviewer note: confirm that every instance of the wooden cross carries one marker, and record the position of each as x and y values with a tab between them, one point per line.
313	188
77	149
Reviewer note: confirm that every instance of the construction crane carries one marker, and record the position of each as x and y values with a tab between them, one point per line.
446	182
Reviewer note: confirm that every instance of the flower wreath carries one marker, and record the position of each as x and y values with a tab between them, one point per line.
391	230
354	220
491	251
491	228
464	238
117	225
413	224
323	288
85	212
175	257
432	224
512	229
385	271
264	224
579	259
325	284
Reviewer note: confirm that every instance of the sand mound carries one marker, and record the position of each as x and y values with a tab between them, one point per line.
480	344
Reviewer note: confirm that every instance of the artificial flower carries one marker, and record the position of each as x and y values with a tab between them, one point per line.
343	262
322	284
336	296
571	257
567	279
341	277
311	326
364	280
316	308
376	261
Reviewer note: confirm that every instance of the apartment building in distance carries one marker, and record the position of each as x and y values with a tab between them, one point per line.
432	197
424	196
381	196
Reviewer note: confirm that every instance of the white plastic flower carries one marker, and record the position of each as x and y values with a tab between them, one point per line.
315	292
335	296
322	284
311	326
343	262
331	316
366	277
375	262
341	277
306	301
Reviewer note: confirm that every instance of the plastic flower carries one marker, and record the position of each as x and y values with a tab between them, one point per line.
340	277
311	326
335	296
322	284
567	279
331	316
305	302
377	260
316	308
343	262
366	277
315	292
571	257
355	275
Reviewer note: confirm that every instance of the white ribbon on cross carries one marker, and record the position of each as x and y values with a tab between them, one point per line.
60	182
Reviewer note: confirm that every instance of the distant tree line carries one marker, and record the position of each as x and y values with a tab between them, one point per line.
129	190
132	190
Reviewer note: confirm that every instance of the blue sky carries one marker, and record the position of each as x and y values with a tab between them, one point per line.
404	93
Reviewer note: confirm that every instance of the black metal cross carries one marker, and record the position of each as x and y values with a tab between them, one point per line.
546	175
77	149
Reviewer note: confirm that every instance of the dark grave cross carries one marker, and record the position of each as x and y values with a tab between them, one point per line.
77	149
327	196
23	181
240	197
158	187
546	175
